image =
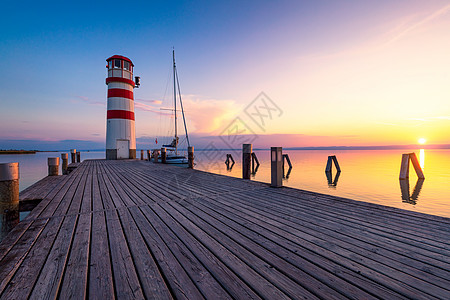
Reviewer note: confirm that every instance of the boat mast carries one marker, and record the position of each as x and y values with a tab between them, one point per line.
175	102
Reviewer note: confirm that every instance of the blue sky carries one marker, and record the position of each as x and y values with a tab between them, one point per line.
303	54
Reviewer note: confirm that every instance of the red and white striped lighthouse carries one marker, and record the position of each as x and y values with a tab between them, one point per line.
120	127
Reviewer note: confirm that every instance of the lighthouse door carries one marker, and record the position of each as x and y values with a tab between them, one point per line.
123	149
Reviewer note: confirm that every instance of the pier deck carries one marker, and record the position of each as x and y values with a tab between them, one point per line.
134	229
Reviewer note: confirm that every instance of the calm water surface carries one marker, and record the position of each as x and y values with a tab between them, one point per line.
367	175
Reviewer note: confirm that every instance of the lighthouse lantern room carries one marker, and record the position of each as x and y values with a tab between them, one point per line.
120	127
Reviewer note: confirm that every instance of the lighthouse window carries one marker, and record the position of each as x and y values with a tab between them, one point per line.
117	63
126	65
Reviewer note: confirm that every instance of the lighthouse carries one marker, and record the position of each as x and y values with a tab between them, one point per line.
120	127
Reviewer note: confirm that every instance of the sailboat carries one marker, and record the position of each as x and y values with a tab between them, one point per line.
173	157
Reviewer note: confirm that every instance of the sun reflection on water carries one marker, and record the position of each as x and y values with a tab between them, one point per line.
422	158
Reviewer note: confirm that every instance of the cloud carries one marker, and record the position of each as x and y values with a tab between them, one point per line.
402	31
442	118
209	115
86	100
158	102
146	107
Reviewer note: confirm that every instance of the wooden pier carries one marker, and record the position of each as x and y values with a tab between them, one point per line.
134	229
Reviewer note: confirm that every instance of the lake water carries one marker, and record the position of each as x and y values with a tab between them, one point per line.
367	175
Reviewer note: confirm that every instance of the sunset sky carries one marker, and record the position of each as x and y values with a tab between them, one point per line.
341	73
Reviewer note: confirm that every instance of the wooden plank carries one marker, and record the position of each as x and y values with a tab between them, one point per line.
42	188
16	255
313	277
100	271
258	283
341	219
199	274
366	267
398	220
75	278
329	233
180	284
47	284
202	235
126	282
232	240
346	241
153	283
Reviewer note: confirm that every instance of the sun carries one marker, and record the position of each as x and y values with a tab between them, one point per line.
422	141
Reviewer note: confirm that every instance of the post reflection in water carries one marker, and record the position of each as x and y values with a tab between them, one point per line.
332	183
422	158
406	196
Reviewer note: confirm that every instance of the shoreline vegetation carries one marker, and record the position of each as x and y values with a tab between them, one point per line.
11	151
18	152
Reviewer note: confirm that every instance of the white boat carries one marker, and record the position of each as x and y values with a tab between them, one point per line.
173	157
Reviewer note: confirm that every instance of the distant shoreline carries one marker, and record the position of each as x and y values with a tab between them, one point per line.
18	152
11	151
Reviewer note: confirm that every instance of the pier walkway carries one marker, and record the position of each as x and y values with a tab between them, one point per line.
134	230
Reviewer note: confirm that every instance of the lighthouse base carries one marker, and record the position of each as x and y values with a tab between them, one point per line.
111	154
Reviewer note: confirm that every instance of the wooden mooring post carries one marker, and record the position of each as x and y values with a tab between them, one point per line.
53	166
276	166
163	155
73	155
149	157
9	197
404	168
65	162
246	160
142	154
78	157
191	157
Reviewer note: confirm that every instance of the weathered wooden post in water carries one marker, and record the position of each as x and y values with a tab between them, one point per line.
404	168
332	159
78	157
65	162
191	157
276	166
9	197
246	160
73	154
53	166
163	155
